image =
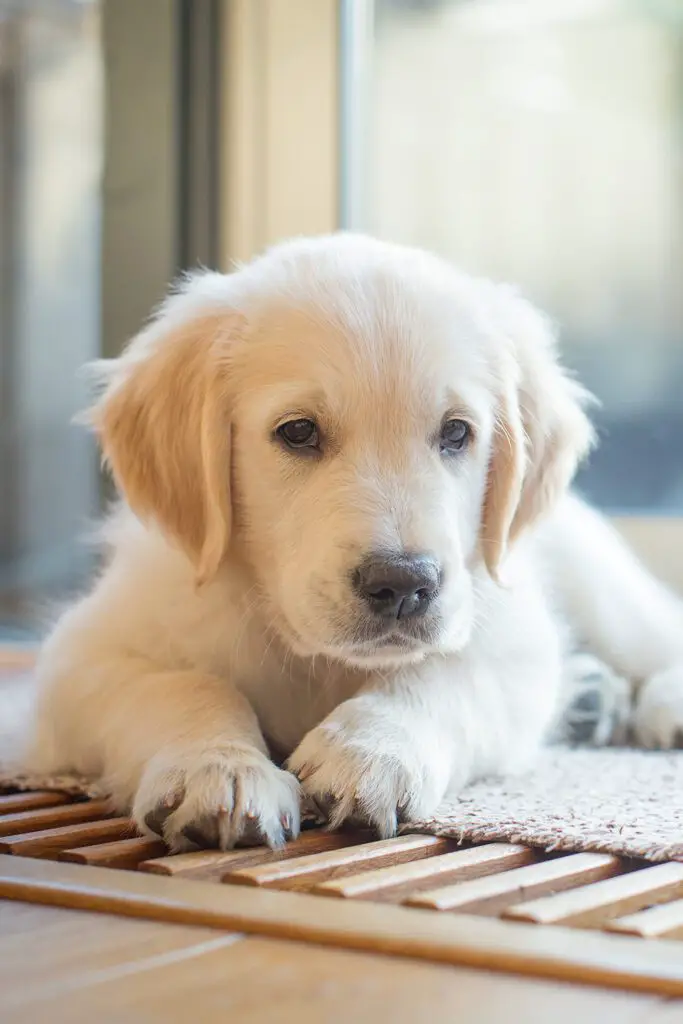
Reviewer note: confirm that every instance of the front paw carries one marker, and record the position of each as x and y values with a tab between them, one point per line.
368	771
217	798
658	715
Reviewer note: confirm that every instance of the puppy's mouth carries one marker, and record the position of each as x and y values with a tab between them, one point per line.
367	642
399	633
365	648
372	644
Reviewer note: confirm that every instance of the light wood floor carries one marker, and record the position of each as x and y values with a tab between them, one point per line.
70	965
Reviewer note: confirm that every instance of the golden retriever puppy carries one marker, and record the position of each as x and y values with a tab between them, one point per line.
344	545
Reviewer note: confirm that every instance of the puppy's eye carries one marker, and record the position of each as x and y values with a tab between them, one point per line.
455	435
299	434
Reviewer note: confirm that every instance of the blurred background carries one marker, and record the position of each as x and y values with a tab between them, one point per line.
533	141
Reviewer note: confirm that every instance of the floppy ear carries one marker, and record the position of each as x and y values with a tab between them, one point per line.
165	431
541	432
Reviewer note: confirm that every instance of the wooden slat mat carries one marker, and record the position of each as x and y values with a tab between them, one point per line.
587	917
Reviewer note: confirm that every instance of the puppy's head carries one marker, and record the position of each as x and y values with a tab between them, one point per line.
359	425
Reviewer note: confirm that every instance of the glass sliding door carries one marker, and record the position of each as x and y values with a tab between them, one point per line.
51	122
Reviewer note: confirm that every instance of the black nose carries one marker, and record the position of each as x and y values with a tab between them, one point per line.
399	586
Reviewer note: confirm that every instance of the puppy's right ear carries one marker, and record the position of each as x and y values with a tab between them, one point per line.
163	422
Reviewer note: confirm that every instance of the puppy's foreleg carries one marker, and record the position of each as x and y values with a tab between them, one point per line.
394	752
182	749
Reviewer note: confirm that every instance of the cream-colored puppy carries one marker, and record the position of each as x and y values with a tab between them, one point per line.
345	543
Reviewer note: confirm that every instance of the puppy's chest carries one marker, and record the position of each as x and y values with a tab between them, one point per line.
292	697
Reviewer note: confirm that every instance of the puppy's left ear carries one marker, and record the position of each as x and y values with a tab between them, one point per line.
541	434
164	427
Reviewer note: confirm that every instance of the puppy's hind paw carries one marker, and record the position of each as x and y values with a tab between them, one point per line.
596	704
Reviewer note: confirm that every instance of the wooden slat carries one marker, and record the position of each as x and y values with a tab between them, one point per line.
124	853
590	905
16	802
663	921
210	864
492	894
398	880
52	817
303	871
589	957
50	841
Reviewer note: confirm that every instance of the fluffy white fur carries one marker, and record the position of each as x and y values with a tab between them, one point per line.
225	629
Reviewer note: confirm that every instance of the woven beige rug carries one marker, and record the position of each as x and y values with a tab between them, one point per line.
624	802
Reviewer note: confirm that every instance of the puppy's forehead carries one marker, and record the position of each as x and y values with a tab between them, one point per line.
378	331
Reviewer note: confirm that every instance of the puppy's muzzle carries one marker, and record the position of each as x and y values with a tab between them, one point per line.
397	587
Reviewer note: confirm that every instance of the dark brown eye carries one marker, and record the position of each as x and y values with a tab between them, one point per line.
455	435
299	434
